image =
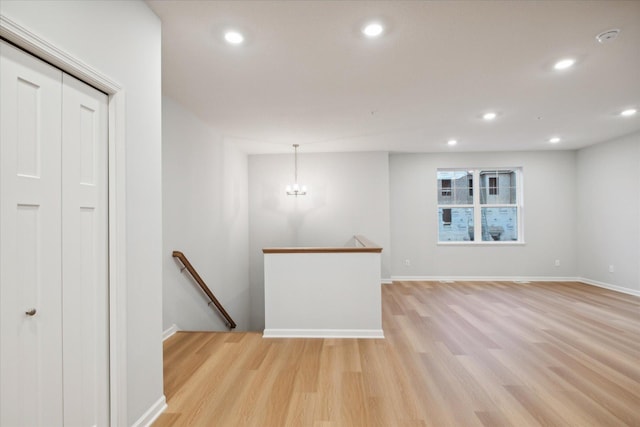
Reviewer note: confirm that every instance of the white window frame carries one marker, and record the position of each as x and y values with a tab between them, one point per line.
477	207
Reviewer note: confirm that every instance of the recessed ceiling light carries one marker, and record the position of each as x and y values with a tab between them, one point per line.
554	140
452	142
373	29
233	37
564	64
628	113
489	116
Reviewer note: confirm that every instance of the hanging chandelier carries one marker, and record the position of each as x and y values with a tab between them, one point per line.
296	189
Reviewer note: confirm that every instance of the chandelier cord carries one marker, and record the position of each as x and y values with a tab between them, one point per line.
295	162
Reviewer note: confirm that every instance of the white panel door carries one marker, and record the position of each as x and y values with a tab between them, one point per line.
54	336
30	241
84	255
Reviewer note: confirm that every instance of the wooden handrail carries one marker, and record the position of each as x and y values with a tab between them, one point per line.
187	265
366	243
365	246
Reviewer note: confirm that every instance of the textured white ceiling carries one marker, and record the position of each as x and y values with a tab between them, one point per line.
307	75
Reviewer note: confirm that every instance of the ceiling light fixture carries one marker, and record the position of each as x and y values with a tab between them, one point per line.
564	64
628	113
554	140
295	189
452	142
233	37
489	116
373	29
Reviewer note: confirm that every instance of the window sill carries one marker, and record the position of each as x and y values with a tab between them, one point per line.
470	243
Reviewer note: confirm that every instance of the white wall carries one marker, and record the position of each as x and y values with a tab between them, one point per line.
330	295
122	40
348	194
549	218
204	216
609	212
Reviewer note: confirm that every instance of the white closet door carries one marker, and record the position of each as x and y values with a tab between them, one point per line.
54	329
30	241
84	254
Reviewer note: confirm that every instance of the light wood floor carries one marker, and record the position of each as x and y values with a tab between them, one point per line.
456	354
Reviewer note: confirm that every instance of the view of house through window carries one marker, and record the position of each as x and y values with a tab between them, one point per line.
446	187
491	213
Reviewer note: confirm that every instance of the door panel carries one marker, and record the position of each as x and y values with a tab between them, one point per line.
84	254
30	241
29	147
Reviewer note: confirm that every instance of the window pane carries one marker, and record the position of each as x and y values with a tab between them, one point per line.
499	224
498	187
455	224
463	188
455	187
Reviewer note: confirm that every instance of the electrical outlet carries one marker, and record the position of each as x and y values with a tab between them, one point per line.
611	269
407	262
557	263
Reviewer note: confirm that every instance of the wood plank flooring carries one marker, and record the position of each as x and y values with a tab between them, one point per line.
456	354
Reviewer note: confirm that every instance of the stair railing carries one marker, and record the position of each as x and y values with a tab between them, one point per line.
212	299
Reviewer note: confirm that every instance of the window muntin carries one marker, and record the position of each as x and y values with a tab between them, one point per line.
492	214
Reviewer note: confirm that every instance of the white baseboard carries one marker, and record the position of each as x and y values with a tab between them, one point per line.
152	413
323	333
483	279
609	286
387	281
172	330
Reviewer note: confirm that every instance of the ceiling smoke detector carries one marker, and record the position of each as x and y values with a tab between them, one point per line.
607	36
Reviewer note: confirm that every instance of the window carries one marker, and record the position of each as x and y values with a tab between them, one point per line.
446	217
493	186
446	187
489	215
